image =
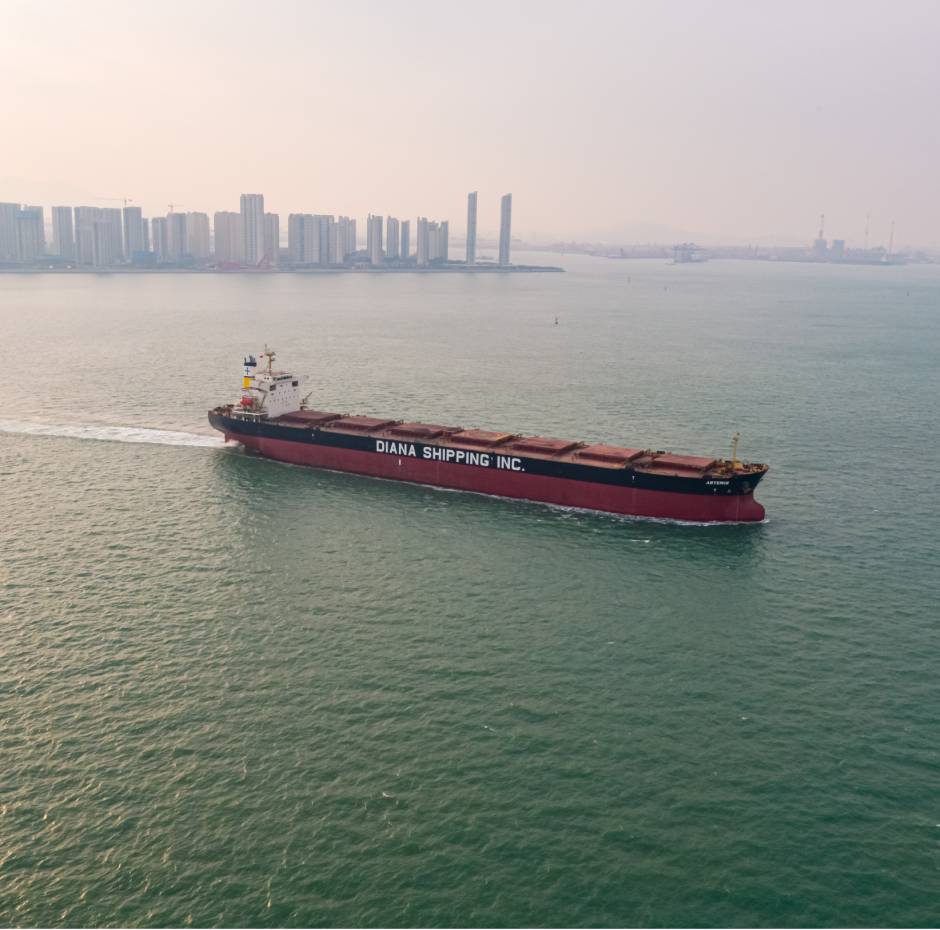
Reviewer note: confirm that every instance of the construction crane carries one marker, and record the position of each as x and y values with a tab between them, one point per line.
173	206
124	200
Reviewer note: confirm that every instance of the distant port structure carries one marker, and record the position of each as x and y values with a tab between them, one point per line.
838	252
106	238
687	253
820	250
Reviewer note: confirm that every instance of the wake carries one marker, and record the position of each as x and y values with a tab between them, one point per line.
159	437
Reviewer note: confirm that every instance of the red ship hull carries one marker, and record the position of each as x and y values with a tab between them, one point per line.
566	492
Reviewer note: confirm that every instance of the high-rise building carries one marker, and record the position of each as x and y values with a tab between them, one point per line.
228	237
98	236
272	238
295	238
391	237
159	233
303	238
472	228
252	211
375	239
337	242
313	239
133	231
112	216
197	235
84	235
30	235
433	241
345	237
177	242
145	233
405	239
102	242
316	239
317	230
505	228
423	245
320	239
8	214
369	234
63	236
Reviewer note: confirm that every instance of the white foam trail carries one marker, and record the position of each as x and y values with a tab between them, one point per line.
159	437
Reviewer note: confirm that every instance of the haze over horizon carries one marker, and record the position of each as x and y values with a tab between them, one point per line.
607	121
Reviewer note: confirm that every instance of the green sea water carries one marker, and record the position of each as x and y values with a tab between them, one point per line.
234	692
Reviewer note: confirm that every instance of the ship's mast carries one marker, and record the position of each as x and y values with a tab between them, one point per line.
269	354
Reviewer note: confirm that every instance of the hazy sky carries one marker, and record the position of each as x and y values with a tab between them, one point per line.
732	121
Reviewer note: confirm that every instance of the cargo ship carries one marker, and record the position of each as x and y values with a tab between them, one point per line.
273	419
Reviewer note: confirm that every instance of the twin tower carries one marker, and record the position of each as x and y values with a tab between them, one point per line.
505	228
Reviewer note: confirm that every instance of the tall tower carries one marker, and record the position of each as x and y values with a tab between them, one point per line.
505	228
375	240
177	244
422	241
337	243
295	237
324	221
392	228
63	238
133	231
197	235
31	234
472	228
405	238
8	215
252	210
229	240
85	218
112	216
160	238
271	240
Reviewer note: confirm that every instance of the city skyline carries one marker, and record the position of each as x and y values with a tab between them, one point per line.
97	237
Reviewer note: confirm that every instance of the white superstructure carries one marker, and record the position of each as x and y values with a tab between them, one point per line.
268	393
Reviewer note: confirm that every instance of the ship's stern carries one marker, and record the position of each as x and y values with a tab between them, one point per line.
218	419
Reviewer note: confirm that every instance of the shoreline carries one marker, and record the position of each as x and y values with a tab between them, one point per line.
365	269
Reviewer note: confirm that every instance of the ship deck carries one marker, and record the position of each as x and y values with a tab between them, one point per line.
613	457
